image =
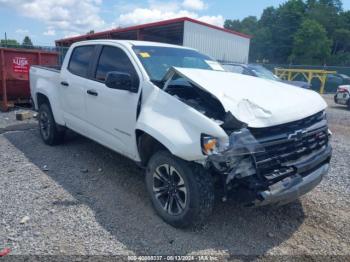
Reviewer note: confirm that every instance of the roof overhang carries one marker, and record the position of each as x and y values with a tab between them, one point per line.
108	34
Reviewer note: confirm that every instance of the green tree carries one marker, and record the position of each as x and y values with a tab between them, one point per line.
262	46
344	20
268	17
248	25
27	42
340	59
341	38
289	17
9	42
274	33
337	5
311	44
234	25
325	12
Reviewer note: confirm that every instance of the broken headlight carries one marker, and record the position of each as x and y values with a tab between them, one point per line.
209	144
241	143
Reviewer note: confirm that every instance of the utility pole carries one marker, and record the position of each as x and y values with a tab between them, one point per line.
5	39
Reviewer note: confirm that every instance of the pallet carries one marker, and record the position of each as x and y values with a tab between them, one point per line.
24	115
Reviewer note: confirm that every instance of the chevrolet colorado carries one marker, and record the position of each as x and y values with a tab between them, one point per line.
198	130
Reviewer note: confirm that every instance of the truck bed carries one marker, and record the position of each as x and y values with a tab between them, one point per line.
44	79
56	68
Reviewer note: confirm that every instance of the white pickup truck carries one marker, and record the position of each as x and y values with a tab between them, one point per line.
190	124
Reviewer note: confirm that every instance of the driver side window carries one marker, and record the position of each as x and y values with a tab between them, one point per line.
114	59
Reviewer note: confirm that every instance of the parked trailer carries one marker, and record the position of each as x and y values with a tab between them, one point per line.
14	72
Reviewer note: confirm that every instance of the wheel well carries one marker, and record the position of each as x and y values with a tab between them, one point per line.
147	146
42	99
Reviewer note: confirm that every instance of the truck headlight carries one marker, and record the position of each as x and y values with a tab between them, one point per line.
209	144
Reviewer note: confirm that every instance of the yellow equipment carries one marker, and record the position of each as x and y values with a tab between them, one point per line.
308	74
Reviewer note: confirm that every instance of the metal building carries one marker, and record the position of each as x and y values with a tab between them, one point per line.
220	43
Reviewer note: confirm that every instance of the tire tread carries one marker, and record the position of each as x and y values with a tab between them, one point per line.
57	135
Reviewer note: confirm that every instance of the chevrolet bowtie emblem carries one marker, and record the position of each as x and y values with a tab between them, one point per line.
297	135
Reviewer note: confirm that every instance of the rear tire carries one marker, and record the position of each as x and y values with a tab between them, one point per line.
51	133
182	193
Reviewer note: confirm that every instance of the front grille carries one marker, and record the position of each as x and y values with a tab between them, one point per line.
274	163
288	127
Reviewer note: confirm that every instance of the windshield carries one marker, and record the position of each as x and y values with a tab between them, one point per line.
157	60
262	72
344	76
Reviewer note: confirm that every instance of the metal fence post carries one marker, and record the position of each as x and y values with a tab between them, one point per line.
3	76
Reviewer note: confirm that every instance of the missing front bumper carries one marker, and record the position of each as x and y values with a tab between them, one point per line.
292	188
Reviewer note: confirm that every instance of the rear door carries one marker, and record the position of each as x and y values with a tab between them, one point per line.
111	112
73	83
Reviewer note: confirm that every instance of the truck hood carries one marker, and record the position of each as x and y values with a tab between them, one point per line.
255	101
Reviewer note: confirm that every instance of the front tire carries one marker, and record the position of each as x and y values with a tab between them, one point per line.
182	193
50	132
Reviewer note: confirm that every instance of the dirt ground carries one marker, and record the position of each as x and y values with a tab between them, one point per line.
80	198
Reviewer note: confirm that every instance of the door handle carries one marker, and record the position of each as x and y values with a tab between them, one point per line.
92	92
64	83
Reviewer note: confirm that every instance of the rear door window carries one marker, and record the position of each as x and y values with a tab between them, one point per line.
80	60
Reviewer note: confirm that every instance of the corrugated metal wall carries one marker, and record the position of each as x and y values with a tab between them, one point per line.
218	44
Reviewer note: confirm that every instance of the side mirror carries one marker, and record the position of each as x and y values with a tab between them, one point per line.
121	81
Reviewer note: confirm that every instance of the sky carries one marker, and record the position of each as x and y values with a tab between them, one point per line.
48	20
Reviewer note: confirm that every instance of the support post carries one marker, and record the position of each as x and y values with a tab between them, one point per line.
323	83
3	80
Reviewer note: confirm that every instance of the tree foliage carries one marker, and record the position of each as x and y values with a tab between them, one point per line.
299	31
9	43
311	44
27	42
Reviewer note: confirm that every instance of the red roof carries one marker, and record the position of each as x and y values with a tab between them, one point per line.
164	22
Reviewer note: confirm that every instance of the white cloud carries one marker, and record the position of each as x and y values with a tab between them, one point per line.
146	15
21	31
217	20
76	17
68	34
69	15
194	4
157	11
50	32
163	5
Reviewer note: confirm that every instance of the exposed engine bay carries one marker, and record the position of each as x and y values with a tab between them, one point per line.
199	100
204	103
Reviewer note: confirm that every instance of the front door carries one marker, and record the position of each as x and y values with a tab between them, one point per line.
112	113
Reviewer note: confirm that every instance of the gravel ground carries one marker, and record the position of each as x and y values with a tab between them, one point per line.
80	198
8	121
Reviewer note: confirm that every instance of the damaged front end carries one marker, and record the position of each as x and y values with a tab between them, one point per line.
273	163
276	164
